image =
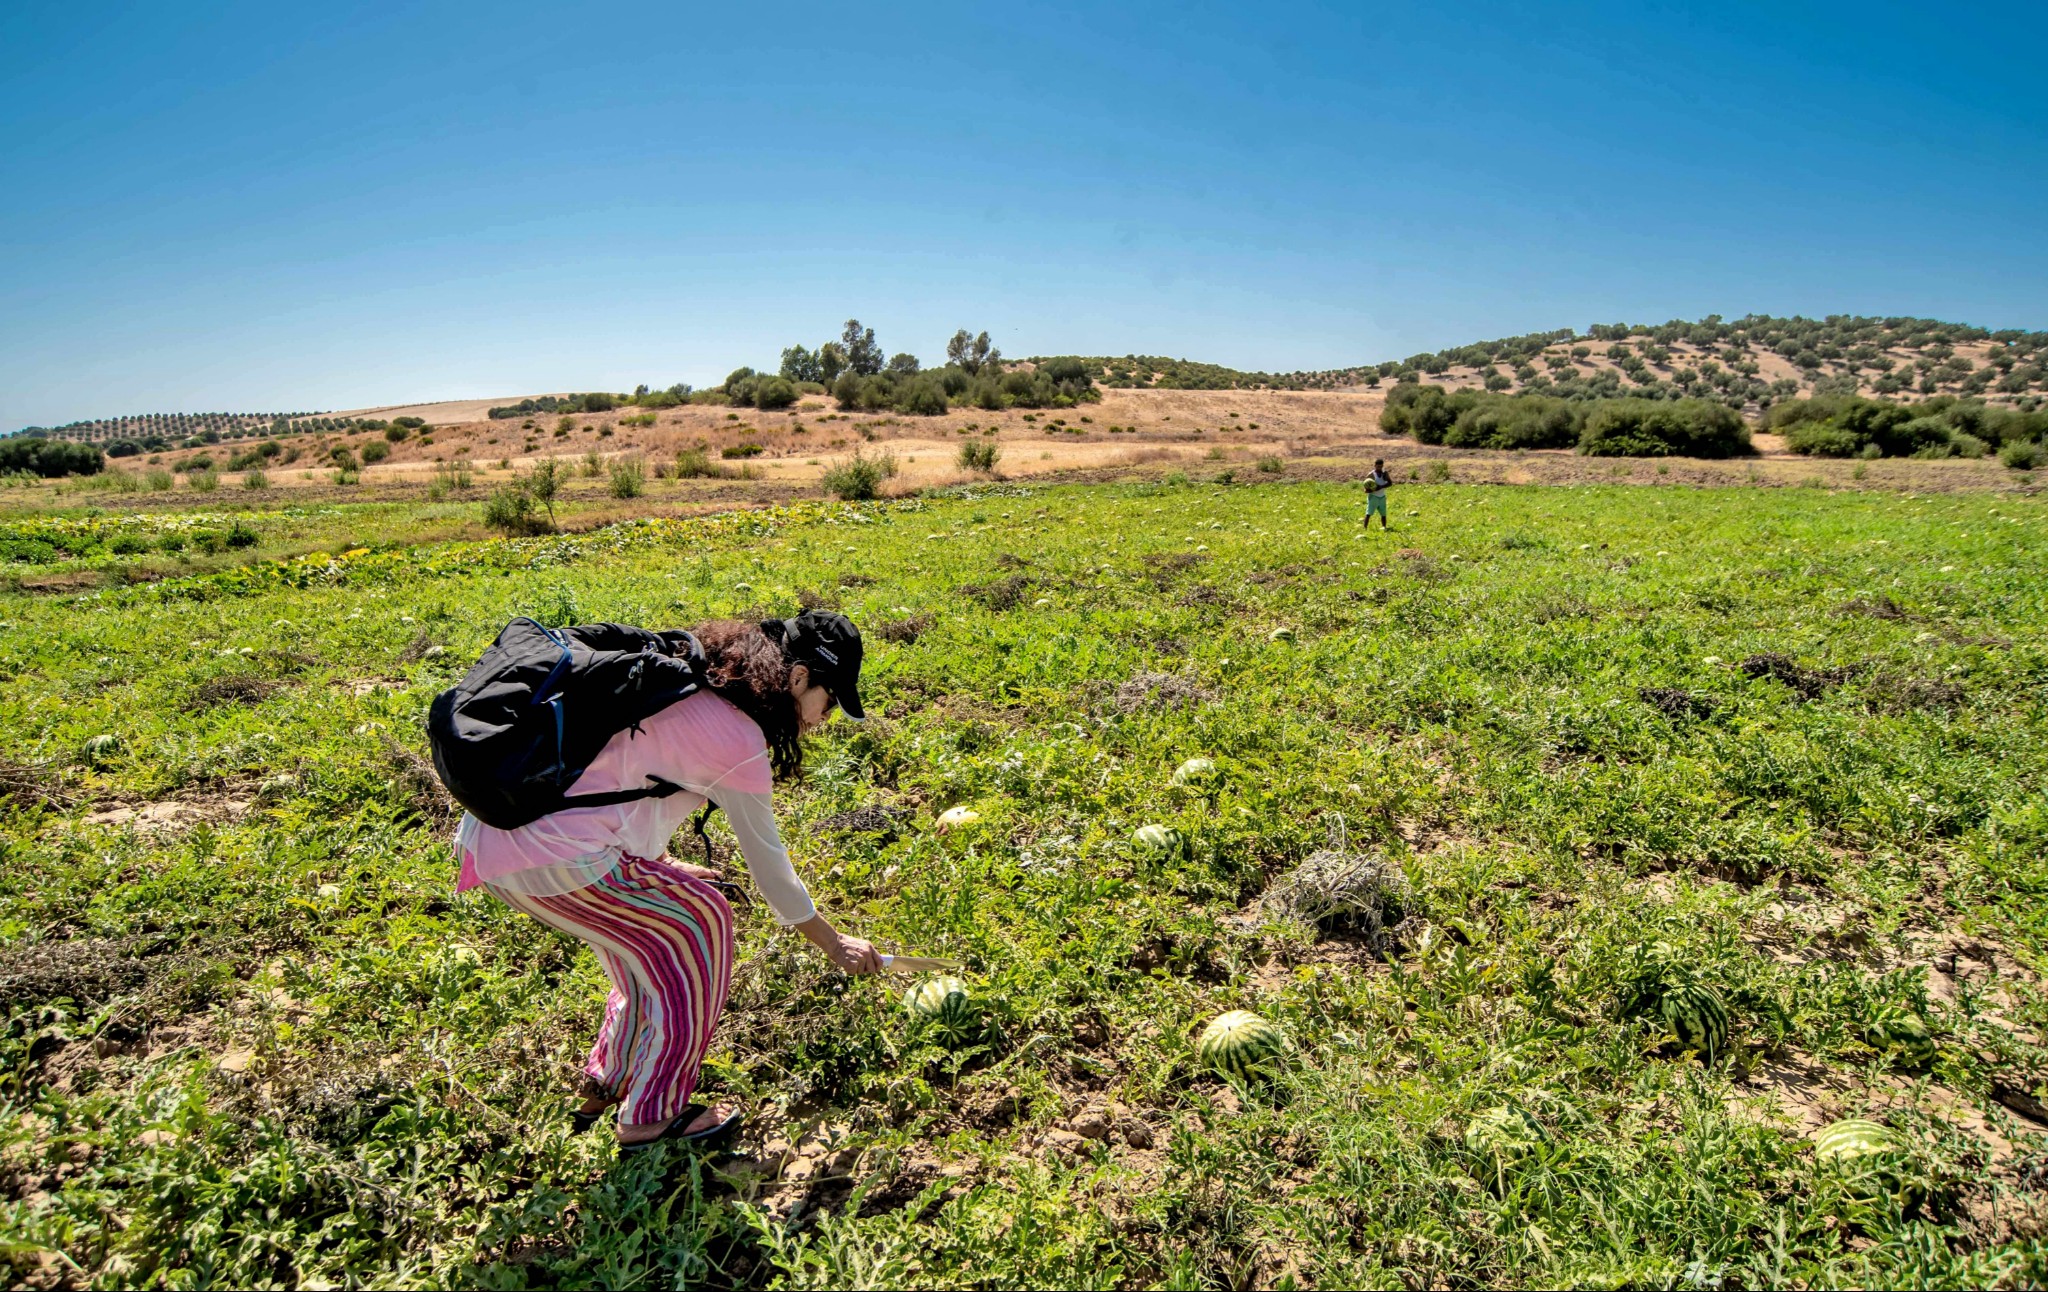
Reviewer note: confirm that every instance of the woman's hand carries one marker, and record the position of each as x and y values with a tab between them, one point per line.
853	955
695	871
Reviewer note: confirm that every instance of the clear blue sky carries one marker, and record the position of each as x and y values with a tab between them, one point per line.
279	206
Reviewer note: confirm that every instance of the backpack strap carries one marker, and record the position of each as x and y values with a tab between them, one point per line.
659	789
698	824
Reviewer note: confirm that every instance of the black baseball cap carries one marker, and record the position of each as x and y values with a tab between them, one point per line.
829	645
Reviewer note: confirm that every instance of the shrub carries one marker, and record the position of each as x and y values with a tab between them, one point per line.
510	511
1271	465
980	455
629	478
1525	422
2023	455
203	481
158	480
1826	440
847	391
859	478
344	459
1423	411
397	434
774	392
1693	428
746	450
255	479
376	451
49	458
692	463
925	397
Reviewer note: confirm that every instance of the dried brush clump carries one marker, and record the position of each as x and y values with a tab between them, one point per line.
240	689
419	785
1810	683
29	785
1677	704
1335	889
1155	691
1001	595
905	630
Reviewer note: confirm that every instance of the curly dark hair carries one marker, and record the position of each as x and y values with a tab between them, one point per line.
749	669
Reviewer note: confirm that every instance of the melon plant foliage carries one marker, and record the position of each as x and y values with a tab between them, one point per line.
252	1037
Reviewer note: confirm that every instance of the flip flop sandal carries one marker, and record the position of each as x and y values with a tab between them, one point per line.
710	1136
580	1122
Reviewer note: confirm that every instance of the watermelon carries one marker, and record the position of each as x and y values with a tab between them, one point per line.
1160	841
1853	1139
1906	1036
1240	1043
1281	634
943	1001
1697	1018
1195	771
1503	1133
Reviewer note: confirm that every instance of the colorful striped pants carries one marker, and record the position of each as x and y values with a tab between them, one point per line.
665	940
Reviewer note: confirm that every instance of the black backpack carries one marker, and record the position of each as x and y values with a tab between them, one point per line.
514	734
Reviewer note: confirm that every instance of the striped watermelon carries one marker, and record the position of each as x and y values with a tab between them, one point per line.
1503	1133
1697	1018
942	1001
1906	1036
1853	1139
1159	841
1240	1043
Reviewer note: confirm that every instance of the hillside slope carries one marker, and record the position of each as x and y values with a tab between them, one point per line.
1750	363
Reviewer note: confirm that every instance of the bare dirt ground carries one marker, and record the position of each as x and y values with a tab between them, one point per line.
1255	436
1130	433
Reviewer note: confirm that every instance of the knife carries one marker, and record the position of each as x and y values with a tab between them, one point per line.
918	964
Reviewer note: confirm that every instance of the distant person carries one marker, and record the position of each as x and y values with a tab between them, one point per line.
1376	486
660	927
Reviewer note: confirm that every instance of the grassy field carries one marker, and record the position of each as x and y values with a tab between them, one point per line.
1599	742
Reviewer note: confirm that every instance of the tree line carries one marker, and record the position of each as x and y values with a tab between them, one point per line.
854	372
1616	427
1848	426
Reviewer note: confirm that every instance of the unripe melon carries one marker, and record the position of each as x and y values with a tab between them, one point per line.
1697	1018
1195	771
1851	1140
1906	1035
1159	841
1240	1043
